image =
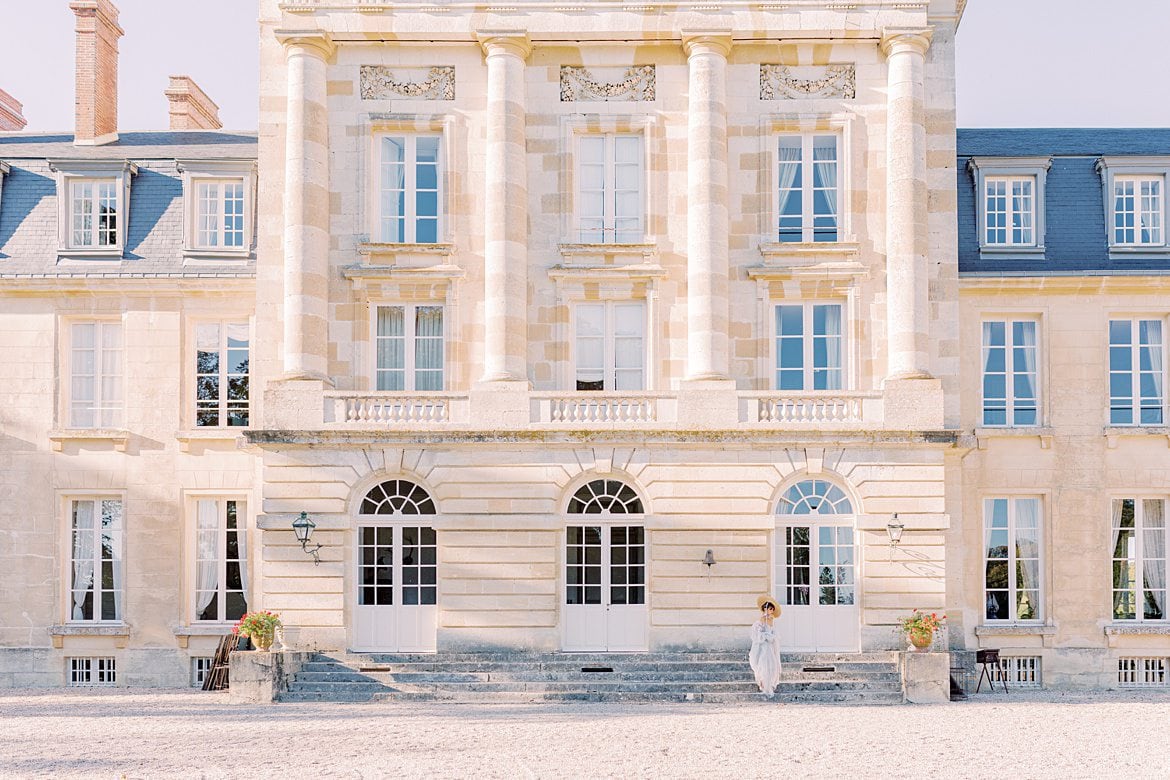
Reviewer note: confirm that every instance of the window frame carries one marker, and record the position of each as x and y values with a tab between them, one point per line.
1110	168
197	172
409	336
192	365
1134	318
807	187
71	173
1012	559
983	169
68	374
609	347
609	185
66	502
191	559
847	378
1139	529
1009	319
410	158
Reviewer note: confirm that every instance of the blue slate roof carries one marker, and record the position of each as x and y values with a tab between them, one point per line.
154	238
1075	239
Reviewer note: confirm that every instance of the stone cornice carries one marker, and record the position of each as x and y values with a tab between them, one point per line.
706	41
514	42
896	41
318	41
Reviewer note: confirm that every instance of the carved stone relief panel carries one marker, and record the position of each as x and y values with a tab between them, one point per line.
379	82
788	82
611	85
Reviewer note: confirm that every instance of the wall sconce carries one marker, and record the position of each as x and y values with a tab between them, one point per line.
709	560
303	528
895	529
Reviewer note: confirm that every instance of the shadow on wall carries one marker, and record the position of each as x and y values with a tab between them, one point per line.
151	195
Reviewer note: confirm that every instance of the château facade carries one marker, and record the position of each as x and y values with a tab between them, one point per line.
576	329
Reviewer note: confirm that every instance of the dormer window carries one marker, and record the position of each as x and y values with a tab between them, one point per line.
1009	197
219	205
94	198
1135	203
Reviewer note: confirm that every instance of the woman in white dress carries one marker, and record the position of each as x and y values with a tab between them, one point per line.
765	653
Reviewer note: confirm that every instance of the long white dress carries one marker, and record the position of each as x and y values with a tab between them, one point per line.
765	656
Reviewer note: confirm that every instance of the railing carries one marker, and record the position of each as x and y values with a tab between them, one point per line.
390	408
811	408
592	408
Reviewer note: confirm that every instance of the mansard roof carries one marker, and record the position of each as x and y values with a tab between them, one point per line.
131	146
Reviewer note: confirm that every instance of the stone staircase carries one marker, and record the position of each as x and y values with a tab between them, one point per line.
855	678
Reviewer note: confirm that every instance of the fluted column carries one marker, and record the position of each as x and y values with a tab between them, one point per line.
907	301
506	209
707	226
306	207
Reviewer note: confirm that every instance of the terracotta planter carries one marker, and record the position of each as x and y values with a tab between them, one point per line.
921	640
262	643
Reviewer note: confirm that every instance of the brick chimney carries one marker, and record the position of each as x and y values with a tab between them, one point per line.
96	68
11	113
190	107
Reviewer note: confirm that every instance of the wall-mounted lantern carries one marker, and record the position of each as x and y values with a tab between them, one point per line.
303	528
894	529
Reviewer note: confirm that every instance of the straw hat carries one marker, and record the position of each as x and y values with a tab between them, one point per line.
766	599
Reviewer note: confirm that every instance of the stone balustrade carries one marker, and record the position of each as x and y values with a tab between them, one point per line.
589	408
812	408
393	408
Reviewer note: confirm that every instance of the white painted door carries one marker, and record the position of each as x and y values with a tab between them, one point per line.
605	588
396	609
817	586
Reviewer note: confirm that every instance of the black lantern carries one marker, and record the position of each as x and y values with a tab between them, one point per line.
709	560
303	528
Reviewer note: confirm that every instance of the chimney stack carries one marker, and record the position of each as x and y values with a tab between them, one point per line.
96	69
11	113
190	107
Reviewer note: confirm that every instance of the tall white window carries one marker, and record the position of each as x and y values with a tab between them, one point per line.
409	192
221	374
95	375
1011	533
808	175
610	346
1139	559
1136	395
409	346
1009	373
1010	210
219	220
610	188
95	590
221	560
809	346
1137	210
93	213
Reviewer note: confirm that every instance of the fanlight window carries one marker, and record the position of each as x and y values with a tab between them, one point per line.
605	496
398	497
814	497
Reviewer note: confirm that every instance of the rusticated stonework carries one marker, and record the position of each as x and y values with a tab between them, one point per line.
379	82
610	85
787	82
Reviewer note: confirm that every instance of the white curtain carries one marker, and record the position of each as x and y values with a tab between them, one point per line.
428	348
1154	557
207	566
112	539
1022	209
790	149
82	555
833	341
242	546
1028	547
825	169
391	338
1120	580
1151	340
1026	347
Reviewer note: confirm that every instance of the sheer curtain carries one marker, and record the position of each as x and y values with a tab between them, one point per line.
1027	559
82	555
1022	211
390	339
825	170
789	168
428	348
112	541
1150	333
1154	558
1120	562
833	339
207	565
242	546
1026	376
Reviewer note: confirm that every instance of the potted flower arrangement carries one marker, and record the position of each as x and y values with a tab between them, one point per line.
260	627
920	628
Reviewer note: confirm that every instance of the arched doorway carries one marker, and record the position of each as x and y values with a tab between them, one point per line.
604	598
816	568
396	604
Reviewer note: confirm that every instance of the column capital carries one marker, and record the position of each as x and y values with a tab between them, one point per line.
316	42
898	40
515	42
706	41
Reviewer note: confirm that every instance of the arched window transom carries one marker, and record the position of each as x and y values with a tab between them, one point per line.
398	497
605	496
814	497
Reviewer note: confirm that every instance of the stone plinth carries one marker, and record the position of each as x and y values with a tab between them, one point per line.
926	677
258	677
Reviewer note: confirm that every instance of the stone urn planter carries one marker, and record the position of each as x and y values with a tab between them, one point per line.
921	640
920	628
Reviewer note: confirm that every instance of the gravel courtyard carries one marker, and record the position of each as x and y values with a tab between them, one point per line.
116	734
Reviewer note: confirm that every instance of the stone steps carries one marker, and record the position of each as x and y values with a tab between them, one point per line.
649	677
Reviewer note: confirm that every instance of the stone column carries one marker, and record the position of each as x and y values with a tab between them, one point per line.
506	214
306	207
907	300
707	221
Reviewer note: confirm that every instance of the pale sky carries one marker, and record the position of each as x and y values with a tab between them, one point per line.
1021	63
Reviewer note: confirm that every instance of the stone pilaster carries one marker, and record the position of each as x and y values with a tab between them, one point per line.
306	206
707	217
907	303
506	209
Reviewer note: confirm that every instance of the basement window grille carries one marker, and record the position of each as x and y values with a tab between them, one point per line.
84	672
1141	672
200	668
1020	671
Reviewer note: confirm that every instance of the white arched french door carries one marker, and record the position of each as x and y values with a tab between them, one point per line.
816	569
396	577
603	604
